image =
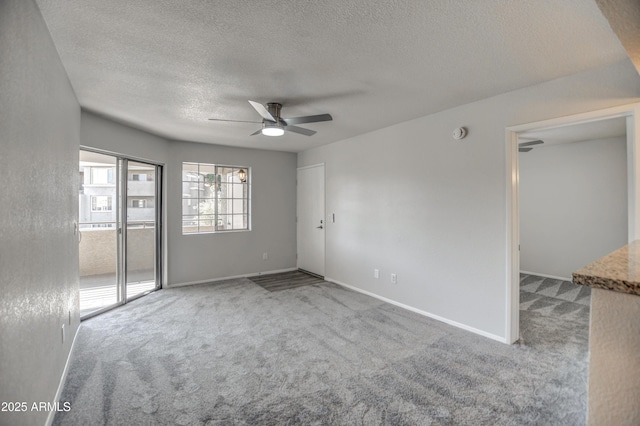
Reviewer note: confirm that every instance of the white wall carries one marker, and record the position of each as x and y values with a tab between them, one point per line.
39	140
196	258
573	205
410	200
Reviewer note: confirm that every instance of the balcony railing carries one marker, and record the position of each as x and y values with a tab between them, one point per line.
106	225
99	248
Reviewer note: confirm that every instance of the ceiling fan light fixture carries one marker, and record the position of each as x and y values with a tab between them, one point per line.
274	130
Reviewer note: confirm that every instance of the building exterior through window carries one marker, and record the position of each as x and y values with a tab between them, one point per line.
98	193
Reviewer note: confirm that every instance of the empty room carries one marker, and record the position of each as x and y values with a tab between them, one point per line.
336	212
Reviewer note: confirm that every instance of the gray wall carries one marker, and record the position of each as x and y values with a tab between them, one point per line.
573	205
39	140
195	258
411	200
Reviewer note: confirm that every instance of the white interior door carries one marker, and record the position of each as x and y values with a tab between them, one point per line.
311	220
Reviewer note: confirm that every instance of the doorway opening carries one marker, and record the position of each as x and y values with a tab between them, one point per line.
532	132
120	230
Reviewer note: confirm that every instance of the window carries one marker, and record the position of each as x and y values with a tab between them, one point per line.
102	175
215	198
140	177
139	204
101	203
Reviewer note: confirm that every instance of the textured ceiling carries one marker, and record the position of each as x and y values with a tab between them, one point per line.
624	19
594	130
167	66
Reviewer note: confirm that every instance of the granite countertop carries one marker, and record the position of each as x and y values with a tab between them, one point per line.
618	271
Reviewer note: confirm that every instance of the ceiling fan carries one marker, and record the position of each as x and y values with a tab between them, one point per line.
527	146
274	125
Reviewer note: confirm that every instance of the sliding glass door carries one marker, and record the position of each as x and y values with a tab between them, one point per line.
141	228
99	223
120	235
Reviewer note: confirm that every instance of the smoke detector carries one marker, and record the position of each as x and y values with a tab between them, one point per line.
459	133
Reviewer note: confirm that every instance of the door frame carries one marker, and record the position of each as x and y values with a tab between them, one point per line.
121	194
632	114
324	214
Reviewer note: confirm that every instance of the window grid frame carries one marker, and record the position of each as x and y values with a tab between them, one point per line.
220	180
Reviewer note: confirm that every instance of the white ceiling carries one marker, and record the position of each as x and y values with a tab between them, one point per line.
594	130
167	66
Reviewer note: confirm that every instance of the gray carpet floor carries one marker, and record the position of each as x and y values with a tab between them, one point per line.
234	353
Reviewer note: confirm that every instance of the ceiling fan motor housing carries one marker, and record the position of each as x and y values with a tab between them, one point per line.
274	109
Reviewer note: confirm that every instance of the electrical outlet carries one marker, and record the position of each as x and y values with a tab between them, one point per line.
265	256
376	273
394	279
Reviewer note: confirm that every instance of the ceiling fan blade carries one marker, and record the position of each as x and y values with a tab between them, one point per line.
308	119
300	130
257	132
531	143
234	121
262	111
524	149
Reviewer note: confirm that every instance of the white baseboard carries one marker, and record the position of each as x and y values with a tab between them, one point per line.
421	312
546	275
63	379
212	280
